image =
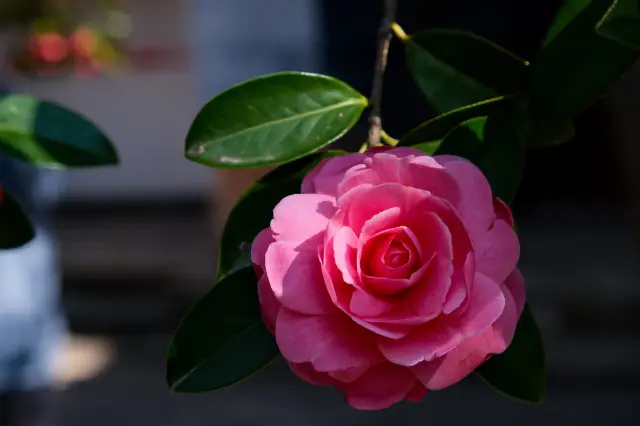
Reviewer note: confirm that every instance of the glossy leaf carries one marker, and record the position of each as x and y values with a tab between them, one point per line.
455	68
15	227
577	65
492	144
49	135
254	211
622	22
429	134
222	340
273	119
520	372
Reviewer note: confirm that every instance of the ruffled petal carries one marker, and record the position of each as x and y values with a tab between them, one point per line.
302	219
296	279
381	387
328	342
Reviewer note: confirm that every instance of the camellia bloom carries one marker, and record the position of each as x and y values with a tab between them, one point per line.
391	274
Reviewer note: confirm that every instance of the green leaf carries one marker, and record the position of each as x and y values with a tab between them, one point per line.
429	135
520	372
455	68
622	23
541	132
15	227
49	135
222	340
566	13
493	144
254	211
577	65
273	119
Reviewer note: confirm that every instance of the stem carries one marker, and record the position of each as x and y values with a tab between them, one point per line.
388	139
399	32
384	38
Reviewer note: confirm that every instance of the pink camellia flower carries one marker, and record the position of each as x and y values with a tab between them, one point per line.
391	274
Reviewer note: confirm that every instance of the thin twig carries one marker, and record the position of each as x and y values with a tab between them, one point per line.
384	38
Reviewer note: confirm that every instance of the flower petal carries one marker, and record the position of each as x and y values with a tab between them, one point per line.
486	304
464	359
503	212
325	177
259	249
475	205
417	393
301	219
424	343
269	305
296	279
345	246
515	285
329	342
381	387
306	372
365	201
497	252
461	282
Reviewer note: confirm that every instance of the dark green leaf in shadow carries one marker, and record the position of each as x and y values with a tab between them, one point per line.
492	144
454	68
222	340
577	65
254	211
428	135
15	227
520	372
273	119
622	23
49	135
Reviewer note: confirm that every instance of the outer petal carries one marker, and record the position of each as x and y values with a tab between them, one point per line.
486	304
329	343
460	284
325	177
259	249
464	359
503	212
302	219
475	205
442	335
381	387
425	343
296	279
515	285
269	305
306	372
417	393
497	251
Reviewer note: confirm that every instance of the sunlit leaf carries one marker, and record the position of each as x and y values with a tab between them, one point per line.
273	119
